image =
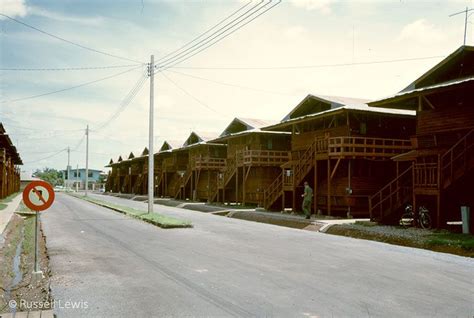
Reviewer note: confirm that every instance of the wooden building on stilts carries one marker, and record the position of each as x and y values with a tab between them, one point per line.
9	162
252	163
130	175
165	161
198	178
440	169
342	147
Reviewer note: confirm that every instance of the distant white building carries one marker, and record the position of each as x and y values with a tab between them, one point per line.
77	179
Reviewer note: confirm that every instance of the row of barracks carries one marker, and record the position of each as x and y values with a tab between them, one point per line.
9	165
362	158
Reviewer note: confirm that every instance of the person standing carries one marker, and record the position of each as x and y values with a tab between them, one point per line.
307	200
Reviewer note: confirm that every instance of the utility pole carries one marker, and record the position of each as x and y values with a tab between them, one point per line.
77	178
87	160
151	168
67	168
465	21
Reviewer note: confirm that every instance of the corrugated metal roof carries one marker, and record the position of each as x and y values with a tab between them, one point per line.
333	101
438	66
425	89
206	135
248	132
249	123
364	108
255	122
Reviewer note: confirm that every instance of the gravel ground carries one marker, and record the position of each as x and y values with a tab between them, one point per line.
412	234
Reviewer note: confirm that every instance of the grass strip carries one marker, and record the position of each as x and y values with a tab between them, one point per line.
160	220
4	201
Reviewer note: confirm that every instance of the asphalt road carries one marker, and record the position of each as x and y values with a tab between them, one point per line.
223	267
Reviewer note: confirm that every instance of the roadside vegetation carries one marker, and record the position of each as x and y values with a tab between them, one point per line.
157	219
17	255
3	202
434	240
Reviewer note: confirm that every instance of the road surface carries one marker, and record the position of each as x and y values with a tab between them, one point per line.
223	267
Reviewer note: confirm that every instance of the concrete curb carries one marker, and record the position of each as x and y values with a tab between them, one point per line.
325	227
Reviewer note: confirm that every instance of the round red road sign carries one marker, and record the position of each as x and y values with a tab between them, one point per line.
38	195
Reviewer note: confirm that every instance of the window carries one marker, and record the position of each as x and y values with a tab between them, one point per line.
75	174
90	175
270	144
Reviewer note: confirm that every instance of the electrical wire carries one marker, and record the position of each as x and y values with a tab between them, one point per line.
83	68
229	84
215	34
190	95
69	88
79	143
41	129
217	38
204	33
125	102
310	66
68	41
44	158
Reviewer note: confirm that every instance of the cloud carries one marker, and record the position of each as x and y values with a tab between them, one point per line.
324	6
421	31
92	21
14	8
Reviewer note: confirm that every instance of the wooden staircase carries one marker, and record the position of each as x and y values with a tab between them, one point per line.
424	178
138	182
125	183
183	182
273	192
300	170
230	170
305	163
228	173
458	160
393	196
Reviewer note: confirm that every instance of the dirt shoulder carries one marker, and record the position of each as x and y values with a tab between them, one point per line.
17	255
434	240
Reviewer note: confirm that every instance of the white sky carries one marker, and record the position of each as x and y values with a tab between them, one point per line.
295	33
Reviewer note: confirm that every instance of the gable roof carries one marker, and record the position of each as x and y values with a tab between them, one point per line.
459	64
407	99
313	104
241	124
330	112
169	145
199	137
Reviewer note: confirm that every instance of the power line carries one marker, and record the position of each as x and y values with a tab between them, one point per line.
42	130
202	34
220	31
69	88
51	156
84	68
125	102
79	143
229	84
308	66
68	41
190	95
218	37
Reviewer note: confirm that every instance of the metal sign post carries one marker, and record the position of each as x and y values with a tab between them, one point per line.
37	267
38	196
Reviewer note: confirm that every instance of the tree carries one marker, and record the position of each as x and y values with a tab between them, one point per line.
53	176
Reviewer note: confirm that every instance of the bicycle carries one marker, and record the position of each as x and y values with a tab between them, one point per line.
409	219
